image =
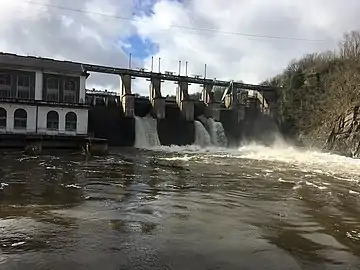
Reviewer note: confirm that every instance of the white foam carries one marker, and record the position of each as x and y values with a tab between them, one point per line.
146	135
3	185
202	137
72	186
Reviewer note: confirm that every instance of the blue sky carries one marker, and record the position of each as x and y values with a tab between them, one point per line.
139	47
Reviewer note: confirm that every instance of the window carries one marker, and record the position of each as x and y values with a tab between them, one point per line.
23	86
5	85
20	119
52	121
70	85
3	115
70	91
52	89
70	121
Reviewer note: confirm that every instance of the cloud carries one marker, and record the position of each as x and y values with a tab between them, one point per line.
245	57
38	28
229	42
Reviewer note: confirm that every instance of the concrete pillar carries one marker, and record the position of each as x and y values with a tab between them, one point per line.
156	99
184	102
82	90
128	105
208	94
158	105
212	109
38	85
187	108
125	85
127	98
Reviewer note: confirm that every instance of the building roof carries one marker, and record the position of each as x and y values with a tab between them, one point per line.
38	63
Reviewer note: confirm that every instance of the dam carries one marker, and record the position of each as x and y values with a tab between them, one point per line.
244	112
45	103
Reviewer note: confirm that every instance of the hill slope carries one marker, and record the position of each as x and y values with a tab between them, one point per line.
319	97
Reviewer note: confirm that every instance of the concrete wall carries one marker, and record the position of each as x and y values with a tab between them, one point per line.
82	120
82	91
39	113
31	118
109	122
38	85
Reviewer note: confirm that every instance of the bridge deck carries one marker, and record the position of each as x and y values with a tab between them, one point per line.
172	77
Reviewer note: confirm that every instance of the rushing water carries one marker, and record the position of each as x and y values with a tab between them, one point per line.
254	207
202	137
146	134
217	133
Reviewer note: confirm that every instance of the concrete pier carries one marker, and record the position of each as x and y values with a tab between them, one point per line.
184	102
156	99
212	109
128	105
127	98
158	107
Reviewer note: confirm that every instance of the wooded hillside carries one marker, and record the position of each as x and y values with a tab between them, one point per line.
319	87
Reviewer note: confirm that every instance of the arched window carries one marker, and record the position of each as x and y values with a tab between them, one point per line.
70	121
3	116
20	119
52	120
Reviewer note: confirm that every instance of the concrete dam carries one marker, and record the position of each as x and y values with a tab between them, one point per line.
245	111
108	120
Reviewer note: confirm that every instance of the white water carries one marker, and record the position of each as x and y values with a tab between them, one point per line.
280	157
217	133
202	137
146	135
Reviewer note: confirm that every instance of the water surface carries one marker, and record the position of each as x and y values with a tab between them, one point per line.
254	207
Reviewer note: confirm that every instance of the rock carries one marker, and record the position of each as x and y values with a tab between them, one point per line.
344	138
33	149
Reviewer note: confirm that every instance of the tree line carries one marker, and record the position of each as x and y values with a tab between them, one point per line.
317	88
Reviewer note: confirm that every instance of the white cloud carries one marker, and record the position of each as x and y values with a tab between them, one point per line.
28	28
251	59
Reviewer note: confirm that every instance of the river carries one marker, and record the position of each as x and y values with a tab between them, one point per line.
253	207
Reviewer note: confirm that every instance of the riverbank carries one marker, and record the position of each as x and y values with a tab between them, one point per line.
319	98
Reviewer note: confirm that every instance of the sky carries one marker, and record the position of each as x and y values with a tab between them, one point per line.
249	40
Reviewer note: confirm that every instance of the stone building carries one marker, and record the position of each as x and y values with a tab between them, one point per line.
42	96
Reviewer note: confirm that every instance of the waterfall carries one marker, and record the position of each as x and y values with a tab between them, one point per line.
146	135
217	133
202	137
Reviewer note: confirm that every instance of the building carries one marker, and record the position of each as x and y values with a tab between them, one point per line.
42	96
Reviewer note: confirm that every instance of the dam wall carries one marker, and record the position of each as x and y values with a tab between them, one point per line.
108	121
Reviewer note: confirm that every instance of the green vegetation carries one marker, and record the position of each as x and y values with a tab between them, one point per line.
318	88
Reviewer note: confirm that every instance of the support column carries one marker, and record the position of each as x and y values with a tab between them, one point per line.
38	85
212	107
127	98
156	99
184	102
82	89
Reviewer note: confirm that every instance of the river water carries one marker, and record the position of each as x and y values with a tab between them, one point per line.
253	207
